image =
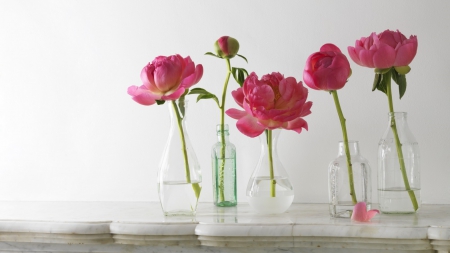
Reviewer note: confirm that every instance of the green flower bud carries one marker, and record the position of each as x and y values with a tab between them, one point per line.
226	47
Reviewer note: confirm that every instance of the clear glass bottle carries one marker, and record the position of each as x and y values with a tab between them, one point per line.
340	200
398	167
224	170
179	175
269	191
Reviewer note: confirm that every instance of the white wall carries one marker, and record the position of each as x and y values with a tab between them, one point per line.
69	131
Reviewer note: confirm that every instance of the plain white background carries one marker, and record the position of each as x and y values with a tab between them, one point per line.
70	132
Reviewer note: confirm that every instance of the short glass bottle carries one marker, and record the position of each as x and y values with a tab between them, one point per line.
224	170
341	202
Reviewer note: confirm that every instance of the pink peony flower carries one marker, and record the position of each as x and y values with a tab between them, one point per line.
360	212
327	69
226	47
166	78
270	103
385	50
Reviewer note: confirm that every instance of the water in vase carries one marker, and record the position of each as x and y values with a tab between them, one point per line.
397	200
179	198
261	199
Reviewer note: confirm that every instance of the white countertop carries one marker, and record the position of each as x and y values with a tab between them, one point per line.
143	223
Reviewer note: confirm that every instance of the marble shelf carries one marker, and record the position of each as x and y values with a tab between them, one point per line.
141	227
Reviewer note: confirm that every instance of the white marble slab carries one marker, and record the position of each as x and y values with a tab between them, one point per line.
141	227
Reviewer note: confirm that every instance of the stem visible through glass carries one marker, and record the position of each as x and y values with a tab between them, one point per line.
222	134
273	182
397	141
347	151
195	186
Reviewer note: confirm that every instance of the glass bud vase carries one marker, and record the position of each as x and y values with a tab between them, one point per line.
179	175
339	177
398	167
269	190
224	170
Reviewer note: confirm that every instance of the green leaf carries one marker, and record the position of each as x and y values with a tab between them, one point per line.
400	80
382	84
204	94
212	54
395	76
160	102
401	85
208	96
376	81
243	57
199	91
239	75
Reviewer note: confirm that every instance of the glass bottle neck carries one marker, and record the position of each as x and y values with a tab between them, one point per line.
398	117
177	111
264	139
353	147
219	132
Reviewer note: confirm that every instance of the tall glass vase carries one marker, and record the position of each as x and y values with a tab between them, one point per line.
179	176
340	198
269	190
224	170
398	167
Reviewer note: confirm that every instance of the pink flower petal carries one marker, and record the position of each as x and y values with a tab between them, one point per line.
248	125
361	214
238	96
306	109
353	55
193	78
175	95
405	54
296	125
308	78
371	214
366	58
330	47
235	113
384	57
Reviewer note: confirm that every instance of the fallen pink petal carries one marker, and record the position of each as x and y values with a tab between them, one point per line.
361	214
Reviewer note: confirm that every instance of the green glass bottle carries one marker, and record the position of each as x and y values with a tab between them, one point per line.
224	170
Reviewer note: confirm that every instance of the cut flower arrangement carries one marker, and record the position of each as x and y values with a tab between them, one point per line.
277	102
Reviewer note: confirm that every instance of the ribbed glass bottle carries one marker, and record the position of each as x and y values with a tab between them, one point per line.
223	157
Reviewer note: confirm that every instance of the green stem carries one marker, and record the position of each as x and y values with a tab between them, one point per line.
183	142
397	142
222	134
347	151
272	176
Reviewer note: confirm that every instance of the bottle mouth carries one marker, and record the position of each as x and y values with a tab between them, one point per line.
349	141
219	127
390	114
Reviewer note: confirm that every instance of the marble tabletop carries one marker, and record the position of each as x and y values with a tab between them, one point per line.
143	223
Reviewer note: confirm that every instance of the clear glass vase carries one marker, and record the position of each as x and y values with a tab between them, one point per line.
224	170
179	175
341	202
269	190
398	167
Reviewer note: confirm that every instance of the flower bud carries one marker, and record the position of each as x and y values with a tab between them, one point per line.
226	47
